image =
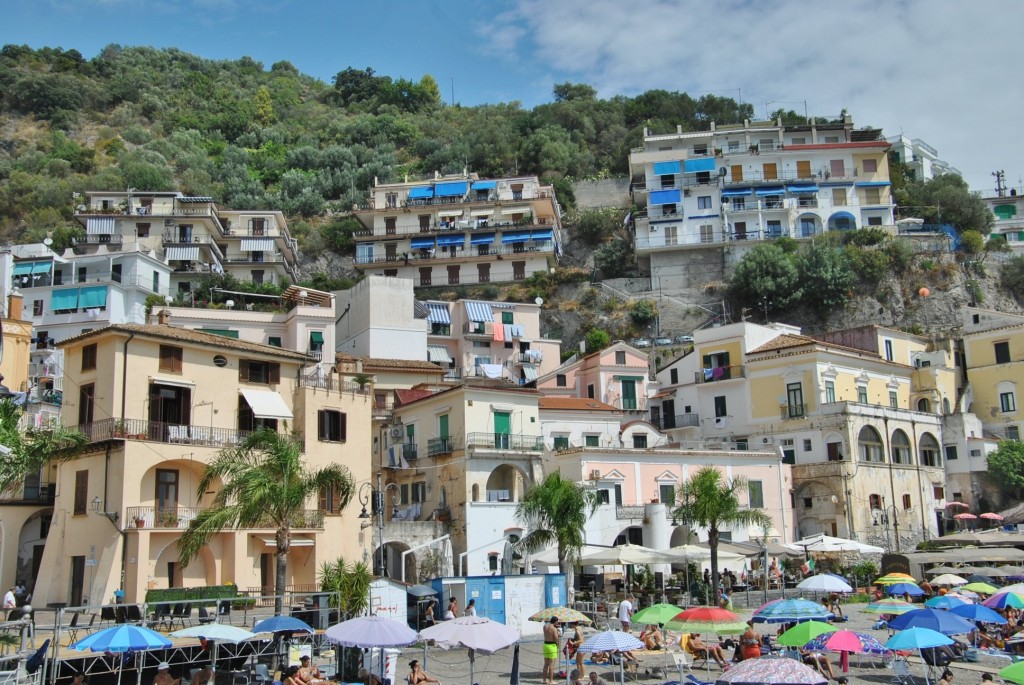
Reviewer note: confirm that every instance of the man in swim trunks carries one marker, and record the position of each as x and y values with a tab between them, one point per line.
551	639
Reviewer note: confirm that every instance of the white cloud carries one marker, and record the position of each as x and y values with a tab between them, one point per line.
939	70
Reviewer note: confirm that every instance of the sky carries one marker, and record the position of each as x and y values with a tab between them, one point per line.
938	70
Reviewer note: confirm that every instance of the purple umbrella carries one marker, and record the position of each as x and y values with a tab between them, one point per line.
775	670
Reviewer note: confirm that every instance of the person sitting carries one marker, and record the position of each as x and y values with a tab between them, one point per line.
203	677
697	648
947	677
835	606
596	679
309	674
818	661
601	657
291	676
651	637
574	677
417	675
368	678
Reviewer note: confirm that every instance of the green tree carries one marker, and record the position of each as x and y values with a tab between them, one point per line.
265	114
707	500
33	448
614	258
265	485
766	278
349	585
597	340
430	93
574	91
945	199
1006	465
555	512
825	275
643	312
1011	276
594	226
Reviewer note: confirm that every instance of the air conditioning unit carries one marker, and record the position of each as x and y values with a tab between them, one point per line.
767	441
396	432
595	474
686	192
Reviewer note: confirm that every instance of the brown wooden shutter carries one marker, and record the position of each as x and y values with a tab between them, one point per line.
803	168
343	426
736	172
275	373
243	369
81	492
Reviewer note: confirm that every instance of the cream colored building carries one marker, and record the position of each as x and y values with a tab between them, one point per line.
158	402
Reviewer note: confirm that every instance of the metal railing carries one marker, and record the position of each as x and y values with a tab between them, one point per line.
179	517
410	450
159	431
437	446
531	357
678	421
434	255
98	239
719	373
793	411
506	441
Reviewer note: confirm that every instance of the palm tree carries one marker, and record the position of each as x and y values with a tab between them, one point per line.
265	485
33	448
708	500
555	512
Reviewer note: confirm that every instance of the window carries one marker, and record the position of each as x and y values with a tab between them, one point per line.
874	221
924	405
836	166
862	394
771	171
86	399
870	166
170	358
1013	433
37	307
331	425
440	329
795	400
419	491
1002	350
667	493
673	376
602	497
906	502
808	445
755	494
252	371
142	230
707	233
774	229
390	225
808	502
900	446
492	561
115	273
89	357
736	172
274	341
518	269
590	391
888	350
507	318
720	407
869	444
938	492
830	392
560	380
81	493
618	494
620	358
591	440
872	196
704	202
951	452
639	441
930	454
839	197
875	501
1007	402
561	442
894	399
331	503
424	223
789	456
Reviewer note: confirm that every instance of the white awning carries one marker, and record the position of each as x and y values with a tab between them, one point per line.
439	354
529	372
296	542
99	225
174	382
482	212
516	210
257	245
450	212
182	254
266	404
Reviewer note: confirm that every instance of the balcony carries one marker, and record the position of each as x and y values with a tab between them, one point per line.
31	491
410	451
439	446
157	431
179	517
530	357
689	420
112	239
272	258
506	441
476	329
430	255
793	411
383	408
719	373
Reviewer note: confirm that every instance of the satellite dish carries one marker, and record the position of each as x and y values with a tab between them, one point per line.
47	241
539	301
722	172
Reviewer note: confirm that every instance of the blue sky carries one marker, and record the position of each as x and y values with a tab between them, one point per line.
940	70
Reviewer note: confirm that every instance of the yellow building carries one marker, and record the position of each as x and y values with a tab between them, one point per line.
995	369
158	403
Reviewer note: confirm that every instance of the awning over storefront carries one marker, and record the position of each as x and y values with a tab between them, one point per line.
266	404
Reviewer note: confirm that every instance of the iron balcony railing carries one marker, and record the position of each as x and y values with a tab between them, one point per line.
678	421
159	431
719	373
410	451
179	517
434	255
436	446
506	441
793	411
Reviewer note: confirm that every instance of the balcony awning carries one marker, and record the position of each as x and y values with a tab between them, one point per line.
173	382
421	192
421	243
266	404
873	184
446	240
257	245
546	234
515	237
481	239
762	192
439	354
92	297
638	379
702	216
803	188
183	254
509	211
529	373
99	225
665	197
450	212
438	313
457	189
479	311
64	299
316	337
482	212
296	541
842	215
42	267
666	168
693	166
26	268
485	185
736	192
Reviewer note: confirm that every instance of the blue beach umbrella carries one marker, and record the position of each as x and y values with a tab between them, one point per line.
790	611
904	589
122	638
944	602
977	612
934	619
282	624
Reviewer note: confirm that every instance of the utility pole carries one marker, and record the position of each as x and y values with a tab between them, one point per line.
1000	183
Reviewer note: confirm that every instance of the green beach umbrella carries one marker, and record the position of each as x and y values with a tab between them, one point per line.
802	633
656	613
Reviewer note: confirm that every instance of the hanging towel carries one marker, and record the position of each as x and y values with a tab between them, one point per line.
499	332
488	327
718	373
707	374
491	370
509	331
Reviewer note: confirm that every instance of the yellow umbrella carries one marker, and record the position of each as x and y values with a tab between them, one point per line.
984	588
892	578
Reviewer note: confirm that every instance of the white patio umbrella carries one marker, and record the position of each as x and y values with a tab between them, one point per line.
630	554
948	579
612	641
218	632
826	543
367	632
476	633
824	583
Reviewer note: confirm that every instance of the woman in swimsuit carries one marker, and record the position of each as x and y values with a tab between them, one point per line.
417	675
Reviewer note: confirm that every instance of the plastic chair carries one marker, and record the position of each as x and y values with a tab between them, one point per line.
262	674
901	672
204	616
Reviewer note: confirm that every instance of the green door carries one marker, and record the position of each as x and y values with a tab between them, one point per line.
442	425
629	394
502	428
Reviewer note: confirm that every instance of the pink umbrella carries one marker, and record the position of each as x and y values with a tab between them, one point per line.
991	516
965	517
962	505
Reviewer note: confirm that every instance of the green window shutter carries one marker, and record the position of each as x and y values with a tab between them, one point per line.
502	422
506	317
706	361
725	359
442	425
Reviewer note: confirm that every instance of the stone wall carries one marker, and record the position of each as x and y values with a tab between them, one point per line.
609	192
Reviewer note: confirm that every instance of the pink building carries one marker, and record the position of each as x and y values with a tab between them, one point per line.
617	375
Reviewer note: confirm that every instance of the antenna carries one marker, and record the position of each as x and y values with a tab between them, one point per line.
1000	183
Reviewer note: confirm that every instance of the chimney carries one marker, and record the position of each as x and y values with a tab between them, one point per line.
164	317
14	306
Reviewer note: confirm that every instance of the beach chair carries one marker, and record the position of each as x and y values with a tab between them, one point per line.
694	680
901	672
180	613
204	616
107	613
684	643
262	675
73	626
682	664
133	614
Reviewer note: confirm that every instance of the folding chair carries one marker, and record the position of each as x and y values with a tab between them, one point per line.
73	626
684	642
262	675
204	616
682	663
901	672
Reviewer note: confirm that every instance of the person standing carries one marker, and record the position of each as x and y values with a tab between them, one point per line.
575	642
9	600
551	640
470	608
428	614
626	612
453	610
750	643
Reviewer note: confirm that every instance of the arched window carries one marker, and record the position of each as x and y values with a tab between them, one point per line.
492	561
945	406
874	502
924	405
900	446
869	445
930	454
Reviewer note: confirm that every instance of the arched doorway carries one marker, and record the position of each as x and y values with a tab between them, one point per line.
169	572
31	541
506	483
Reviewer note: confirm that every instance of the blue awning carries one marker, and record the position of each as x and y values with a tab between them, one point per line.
761	192
451	189
447	240
665	197
23	268
692	166
666	168
736	192
64	299
836	184
703	216
421	243
803	188
438	313
873	184
41	267
842	215
515	237
481	239
546	234
479	311
93	296
421	192
485	185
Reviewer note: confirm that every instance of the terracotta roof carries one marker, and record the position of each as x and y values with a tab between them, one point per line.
407	396
574	403
370	363
785	341
190	335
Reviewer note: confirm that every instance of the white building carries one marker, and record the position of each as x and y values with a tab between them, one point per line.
921	159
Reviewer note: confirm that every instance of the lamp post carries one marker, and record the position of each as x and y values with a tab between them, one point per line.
374	496
881	517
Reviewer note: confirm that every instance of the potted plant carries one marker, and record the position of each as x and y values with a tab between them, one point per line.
119	429
362	380
169	519
140	522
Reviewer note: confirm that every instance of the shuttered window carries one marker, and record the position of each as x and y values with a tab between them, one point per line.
332	425
81	493
736	172
89	357
170	358
251	371
803	168
771	171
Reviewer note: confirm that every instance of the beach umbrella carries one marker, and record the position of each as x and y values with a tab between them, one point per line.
1002	600
966	595
919	639
1017	587
977	612
802	633
1014	673
991	516
122	638
707	620
891	578
656	613
775	670
945	602
948	579
936	570
992	572
1012	571
825	582
282	624
844	642
904	589
933	619
367	632
612	641
629	554
889	605
475	633
790	610
218	632
563	614
981	587
958	505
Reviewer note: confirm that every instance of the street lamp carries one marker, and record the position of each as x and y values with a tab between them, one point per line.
374	496
881	517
